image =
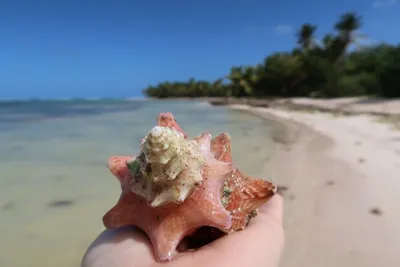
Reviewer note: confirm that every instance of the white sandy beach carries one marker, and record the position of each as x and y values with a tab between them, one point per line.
342	175
352	105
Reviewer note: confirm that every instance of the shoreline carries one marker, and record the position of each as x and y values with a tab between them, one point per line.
344	106
338	178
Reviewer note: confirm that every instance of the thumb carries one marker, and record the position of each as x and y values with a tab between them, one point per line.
270	213
260	243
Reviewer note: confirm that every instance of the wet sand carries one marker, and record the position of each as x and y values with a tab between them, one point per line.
339	177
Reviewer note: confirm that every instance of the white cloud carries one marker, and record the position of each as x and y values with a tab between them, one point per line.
283	29
385	3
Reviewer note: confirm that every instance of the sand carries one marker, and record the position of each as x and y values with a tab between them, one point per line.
354	105
340	177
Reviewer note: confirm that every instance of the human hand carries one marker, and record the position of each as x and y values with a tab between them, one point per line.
260	244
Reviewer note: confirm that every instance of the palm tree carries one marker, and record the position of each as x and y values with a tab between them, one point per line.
327	40
249	80
241	78
217	83
305	36
347	26
348	23
217	88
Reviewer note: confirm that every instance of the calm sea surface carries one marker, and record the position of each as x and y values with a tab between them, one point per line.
54	183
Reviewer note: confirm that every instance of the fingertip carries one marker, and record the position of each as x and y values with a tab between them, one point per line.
269	221
118	247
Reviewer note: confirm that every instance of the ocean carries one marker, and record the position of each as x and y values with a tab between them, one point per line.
54	182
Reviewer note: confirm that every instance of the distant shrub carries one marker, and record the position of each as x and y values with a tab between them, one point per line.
389	77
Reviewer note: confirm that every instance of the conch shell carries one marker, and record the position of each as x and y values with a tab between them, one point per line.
168	168
181	187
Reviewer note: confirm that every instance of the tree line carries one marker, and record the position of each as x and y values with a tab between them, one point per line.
312	69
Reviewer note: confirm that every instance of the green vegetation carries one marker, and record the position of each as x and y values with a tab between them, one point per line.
311	70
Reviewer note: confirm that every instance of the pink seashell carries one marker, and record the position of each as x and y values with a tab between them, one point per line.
247	194
168	120
224	201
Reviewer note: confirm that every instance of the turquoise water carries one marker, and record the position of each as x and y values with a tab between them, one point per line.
54	183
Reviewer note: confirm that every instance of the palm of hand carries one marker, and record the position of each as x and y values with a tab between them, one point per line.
261	244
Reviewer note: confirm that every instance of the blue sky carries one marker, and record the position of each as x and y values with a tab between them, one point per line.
87	48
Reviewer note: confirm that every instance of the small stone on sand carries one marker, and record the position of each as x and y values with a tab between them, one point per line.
61	203
8	206
375	211
330	183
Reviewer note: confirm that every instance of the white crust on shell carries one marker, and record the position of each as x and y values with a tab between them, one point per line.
169	166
